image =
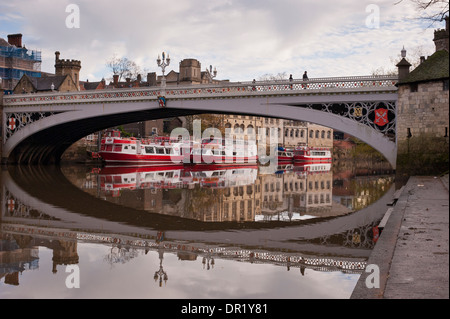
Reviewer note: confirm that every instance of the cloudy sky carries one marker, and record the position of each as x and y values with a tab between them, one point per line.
244	39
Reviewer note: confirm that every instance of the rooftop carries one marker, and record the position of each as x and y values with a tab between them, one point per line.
436	67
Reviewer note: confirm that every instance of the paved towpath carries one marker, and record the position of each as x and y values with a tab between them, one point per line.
412	251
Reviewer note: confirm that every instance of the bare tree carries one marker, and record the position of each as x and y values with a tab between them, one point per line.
433	10
271	77
123	67
413	56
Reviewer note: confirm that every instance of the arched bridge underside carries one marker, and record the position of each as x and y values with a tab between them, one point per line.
38	128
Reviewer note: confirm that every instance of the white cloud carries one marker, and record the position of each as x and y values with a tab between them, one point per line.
243	39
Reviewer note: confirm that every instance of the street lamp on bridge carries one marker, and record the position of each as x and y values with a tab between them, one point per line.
162	64
212	74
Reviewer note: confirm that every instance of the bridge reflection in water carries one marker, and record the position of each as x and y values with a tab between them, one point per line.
194	214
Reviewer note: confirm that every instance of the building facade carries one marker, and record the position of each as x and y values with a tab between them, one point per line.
423	111
65	79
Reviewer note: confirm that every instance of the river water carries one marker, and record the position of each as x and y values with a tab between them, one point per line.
82	231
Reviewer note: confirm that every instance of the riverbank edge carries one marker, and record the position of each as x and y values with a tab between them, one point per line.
384	250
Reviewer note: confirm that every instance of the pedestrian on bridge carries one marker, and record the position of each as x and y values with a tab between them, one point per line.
305	78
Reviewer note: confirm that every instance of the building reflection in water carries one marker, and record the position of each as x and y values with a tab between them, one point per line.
19	253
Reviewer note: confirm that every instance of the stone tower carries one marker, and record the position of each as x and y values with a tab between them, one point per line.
190	71
441	37
71	67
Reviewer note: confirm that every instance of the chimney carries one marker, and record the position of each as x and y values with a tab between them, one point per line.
422	59
403	67
15	39
115	79
57	56
151	79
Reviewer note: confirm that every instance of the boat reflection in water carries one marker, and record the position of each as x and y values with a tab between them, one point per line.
172	223
214	193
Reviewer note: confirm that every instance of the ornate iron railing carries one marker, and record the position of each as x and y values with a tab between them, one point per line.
256	88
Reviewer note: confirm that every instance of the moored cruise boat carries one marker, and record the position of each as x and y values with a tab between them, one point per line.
115	149
217	152
304	154
312	168
218	176
117	178
284	155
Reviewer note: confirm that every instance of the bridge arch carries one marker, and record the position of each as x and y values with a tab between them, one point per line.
50	123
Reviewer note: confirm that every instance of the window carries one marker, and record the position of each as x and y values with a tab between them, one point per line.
160	150
311	134
149	150
414	87
445	86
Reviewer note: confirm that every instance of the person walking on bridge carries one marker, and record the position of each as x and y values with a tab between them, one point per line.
305	78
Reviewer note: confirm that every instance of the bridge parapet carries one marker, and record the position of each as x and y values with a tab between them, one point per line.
339	85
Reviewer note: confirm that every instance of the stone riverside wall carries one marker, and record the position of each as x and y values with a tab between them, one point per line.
426	114
1	119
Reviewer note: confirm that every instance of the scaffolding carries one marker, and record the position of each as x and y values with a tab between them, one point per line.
16	62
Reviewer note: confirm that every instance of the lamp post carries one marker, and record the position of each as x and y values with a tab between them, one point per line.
212	74
162	64
160	274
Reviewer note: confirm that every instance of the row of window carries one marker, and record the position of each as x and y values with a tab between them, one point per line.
298	186
240	129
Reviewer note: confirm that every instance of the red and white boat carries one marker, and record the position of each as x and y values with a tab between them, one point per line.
115	149
304	154
219	176
117	178
218	152
312	168
284	155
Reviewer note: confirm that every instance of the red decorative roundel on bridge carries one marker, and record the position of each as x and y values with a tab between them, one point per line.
12	123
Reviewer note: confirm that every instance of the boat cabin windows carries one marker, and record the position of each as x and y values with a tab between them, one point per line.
318	153
149	150
160	150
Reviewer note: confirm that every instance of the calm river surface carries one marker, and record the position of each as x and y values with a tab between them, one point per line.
191	232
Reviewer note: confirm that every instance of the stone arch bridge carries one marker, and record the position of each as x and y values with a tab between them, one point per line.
38	128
